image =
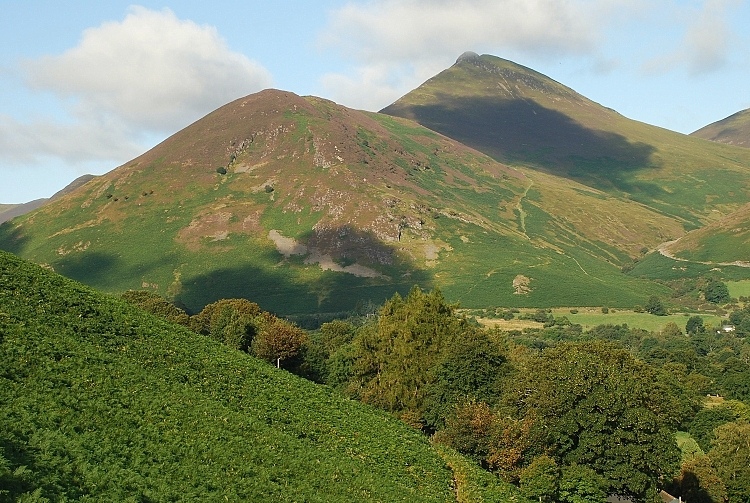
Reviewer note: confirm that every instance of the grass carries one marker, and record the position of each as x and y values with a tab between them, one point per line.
591	317
106	403
739	288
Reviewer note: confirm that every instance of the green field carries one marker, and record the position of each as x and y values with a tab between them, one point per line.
739	289
591	317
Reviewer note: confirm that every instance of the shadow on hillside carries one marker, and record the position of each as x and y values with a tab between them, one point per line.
524	132
12	239
91	268
293	286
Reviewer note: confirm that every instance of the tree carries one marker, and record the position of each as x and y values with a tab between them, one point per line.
655	306
694	325
716	292
395	361
540	479
730	455
469	430
471	371
601	408
702	427
580	484
230	321
157	305
698	482
671	330
278	340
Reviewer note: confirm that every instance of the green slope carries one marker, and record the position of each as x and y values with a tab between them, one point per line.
304	206
531	122
102	402
734	130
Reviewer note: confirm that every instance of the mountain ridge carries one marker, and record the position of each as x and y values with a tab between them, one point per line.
732	130
307	206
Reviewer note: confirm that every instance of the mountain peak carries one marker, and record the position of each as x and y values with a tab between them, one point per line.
468	56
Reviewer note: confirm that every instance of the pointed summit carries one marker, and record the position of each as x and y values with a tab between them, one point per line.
468	56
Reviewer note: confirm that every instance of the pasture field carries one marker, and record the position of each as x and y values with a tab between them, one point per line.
739	288
590	317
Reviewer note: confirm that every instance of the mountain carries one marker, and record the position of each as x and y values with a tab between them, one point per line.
720	243
10	211
104	402
306	206
542	128
734	130
523	118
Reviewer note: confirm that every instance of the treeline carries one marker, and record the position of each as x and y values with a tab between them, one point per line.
565	414
238	323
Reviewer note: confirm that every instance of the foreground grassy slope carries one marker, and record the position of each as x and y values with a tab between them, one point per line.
102	402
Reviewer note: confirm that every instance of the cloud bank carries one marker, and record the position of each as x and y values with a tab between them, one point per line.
397	44
150	73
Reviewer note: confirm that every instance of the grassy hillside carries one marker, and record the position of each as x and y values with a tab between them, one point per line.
101	402
523	118
305	206
720	243
734	130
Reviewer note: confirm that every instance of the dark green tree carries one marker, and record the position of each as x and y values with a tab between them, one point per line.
716	292
602	409
655	306
472	370
580	484
694	325
730	455
702	427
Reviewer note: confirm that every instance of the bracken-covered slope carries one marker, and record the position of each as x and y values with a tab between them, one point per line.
306	206
734	130
103	402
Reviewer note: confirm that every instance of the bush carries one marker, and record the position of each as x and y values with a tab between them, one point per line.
221	170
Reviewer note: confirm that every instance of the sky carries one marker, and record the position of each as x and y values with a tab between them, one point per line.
86	86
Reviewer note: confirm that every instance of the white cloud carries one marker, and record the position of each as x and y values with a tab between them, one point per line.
397	29
416	37
78	143
706	41
151	70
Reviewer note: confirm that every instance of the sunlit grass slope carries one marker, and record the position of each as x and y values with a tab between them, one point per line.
733	130
102	402
523	118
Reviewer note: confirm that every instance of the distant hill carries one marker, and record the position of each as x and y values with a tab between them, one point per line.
734	130
104	402
724	242
10	211
305	206
521	117
543	128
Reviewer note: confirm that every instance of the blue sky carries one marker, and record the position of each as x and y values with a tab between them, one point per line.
87	85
